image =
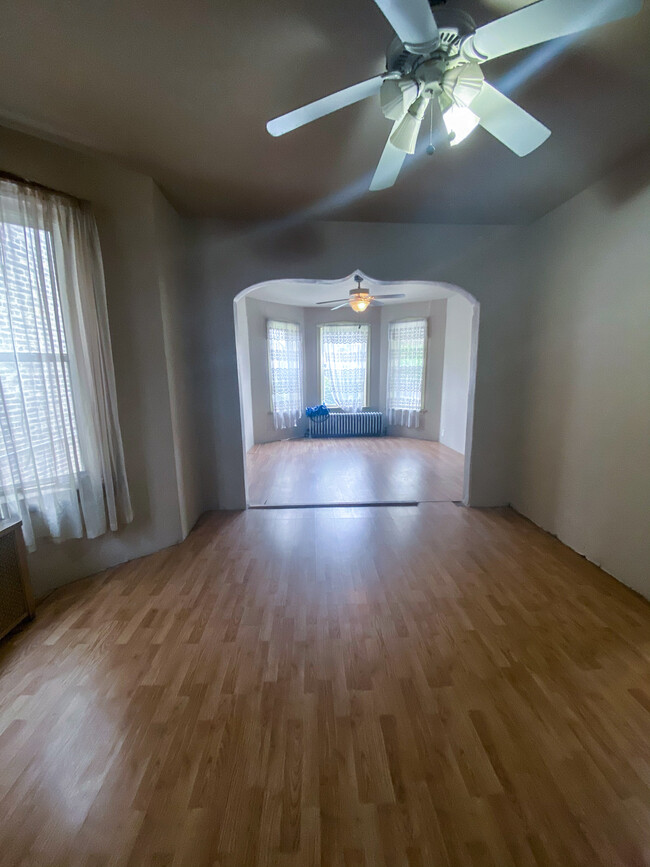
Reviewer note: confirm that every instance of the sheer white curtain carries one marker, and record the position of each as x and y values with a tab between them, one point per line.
285	372
344	365
407	343
61	462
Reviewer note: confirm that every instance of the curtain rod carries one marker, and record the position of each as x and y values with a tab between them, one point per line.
17	179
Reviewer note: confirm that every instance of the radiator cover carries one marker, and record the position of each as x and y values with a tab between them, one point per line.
348	424
16	600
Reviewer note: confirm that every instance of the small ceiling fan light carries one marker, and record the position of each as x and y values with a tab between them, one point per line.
460	122
406	133
462	84
360	302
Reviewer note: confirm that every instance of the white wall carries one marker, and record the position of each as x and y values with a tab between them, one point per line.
456	372
584	470
435	314
127	209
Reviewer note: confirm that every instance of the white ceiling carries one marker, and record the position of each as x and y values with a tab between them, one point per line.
308	293
182	90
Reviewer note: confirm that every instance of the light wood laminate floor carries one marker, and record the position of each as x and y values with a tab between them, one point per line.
378	687
353	470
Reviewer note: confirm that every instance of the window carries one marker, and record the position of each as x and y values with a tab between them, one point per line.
407	343
285	372
40	444
61	461
344	366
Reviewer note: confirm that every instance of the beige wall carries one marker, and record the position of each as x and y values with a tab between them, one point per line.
124	204
175	291
244	372
459	328
584	470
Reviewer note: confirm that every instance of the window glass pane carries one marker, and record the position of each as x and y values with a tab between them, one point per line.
407	343
344	365
38	435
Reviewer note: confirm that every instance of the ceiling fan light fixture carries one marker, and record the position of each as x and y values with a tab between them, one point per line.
460	122
391	97
359	303
405	135
462	84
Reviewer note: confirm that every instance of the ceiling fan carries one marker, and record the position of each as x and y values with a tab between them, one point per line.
360	299
439	70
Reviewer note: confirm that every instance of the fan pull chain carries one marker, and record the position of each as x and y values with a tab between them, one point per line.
430	148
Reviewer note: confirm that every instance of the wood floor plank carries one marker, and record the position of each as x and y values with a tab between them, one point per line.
353	470
381	686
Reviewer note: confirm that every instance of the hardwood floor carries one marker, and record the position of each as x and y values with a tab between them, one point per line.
386	687
354	470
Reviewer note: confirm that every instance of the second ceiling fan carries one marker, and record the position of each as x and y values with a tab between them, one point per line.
360	299
439	70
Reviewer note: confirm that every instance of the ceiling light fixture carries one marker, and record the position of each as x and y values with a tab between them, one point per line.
460	122
360	299
405	135
359	302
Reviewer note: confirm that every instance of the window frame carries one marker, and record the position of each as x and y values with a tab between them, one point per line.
425	360
269	389
366	387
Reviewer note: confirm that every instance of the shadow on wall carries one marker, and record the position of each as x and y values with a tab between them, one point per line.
295	241
452	315
630	177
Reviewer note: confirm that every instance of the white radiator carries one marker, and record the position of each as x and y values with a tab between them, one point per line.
348	424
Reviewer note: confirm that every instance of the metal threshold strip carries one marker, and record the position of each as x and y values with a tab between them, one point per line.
335	505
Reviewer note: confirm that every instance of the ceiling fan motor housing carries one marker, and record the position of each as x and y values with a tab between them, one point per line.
454	27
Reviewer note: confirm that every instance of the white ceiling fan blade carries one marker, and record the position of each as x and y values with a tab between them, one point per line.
333	301
374	303
508	122
327	105
413	22
397	295
541	21
389	166
338	307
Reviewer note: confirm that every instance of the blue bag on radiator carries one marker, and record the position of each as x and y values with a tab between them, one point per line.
317	412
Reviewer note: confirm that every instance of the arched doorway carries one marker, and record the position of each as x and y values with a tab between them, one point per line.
431	461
